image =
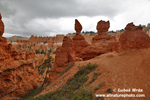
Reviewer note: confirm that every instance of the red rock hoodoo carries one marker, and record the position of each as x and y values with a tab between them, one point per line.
78	27
134	38
64	55
102	27
101	43
79	41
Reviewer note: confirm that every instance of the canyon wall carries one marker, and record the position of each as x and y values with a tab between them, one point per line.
18	70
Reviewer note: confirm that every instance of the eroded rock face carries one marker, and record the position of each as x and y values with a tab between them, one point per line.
18	70
79	41
134	38
66	53
101	43
1	26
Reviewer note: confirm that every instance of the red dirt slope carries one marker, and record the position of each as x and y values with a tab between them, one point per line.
128	69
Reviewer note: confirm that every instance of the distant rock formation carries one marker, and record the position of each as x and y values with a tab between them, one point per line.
79	41
1	26
134	38
18	70
56	39
53	42
17	39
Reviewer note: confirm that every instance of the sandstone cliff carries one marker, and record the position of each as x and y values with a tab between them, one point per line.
79	41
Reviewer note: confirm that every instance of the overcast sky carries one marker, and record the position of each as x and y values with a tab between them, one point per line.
51	17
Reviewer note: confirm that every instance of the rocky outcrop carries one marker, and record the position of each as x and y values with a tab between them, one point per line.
134	38
18	70
79	41
101	43
97	49
64	55
1	26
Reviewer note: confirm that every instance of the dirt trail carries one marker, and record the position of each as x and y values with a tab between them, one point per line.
119	70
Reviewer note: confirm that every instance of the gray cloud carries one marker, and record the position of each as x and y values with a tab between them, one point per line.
5	9
62	8
20	16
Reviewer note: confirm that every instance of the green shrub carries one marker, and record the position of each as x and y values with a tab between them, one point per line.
84	70
95	75
32	93
43	52
98	98
109	90
47	63
77	82
73	89
41	72
81	76
37	52
83	94
54	51
49	51
68	67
